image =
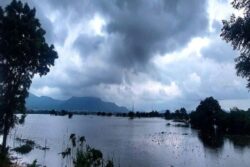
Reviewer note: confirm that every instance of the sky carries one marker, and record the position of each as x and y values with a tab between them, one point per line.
155	54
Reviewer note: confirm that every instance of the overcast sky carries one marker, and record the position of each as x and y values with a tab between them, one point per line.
157	54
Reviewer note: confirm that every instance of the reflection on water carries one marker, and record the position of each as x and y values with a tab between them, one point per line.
240	142
138	142
215	140
211	139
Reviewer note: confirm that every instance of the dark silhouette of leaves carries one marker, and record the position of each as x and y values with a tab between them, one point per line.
237	32
23	53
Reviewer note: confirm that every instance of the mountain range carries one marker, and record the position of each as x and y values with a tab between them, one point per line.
87	104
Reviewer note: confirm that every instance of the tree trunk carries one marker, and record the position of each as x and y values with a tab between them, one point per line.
5	133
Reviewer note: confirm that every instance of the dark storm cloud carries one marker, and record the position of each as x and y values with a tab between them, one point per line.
136	31
97	75
139	29
87	44
78	9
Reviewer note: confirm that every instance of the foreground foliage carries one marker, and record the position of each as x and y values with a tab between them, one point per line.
23	53
4	160
83	155
91	157
33	164
237	32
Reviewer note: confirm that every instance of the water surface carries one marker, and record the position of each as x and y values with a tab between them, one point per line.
146	142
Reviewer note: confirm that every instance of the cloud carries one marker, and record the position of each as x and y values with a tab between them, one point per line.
156	54
199	76
87	44
140	29
218	49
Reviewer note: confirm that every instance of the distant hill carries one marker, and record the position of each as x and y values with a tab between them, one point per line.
42	103
88	104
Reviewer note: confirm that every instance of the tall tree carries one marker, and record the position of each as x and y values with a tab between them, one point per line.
205	115
23	53
237	32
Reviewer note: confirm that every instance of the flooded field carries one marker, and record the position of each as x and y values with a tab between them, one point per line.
147	142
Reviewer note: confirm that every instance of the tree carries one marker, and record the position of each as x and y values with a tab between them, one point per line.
167	114
23	53
237	32
183	113
131	114
205	115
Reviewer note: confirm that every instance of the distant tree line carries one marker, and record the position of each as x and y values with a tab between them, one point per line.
52	112
138	114
104	113
61	113
179	114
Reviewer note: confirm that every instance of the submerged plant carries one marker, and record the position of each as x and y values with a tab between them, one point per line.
82	140
65	153
83	155
73	139
34	164
91	157
23	149
110	163
27	146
